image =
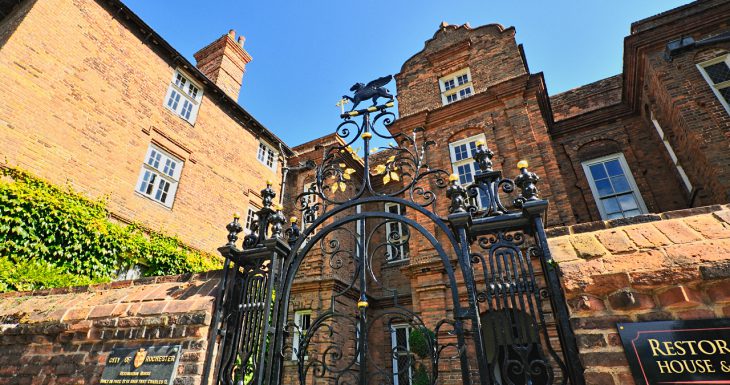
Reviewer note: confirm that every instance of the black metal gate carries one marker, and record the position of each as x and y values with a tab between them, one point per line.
503	308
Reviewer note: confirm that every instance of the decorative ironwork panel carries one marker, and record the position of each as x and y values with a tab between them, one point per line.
362	222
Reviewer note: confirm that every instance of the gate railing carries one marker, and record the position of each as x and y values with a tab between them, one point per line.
514	301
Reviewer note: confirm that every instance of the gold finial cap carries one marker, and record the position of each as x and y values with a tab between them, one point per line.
480	143
269	182
453	178
366	135
293	219
236	215
522	164
362	304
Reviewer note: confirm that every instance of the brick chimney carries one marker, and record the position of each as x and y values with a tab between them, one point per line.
224	62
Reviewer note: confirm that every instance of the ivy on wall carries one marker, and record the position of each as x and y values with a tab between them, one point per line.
53	237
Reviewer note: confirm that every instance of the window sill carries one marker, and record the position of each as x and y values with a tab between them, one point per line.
192	124
169	208
398	263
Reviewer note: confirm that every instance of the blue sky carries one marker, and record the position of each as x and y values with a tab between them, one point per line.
307	54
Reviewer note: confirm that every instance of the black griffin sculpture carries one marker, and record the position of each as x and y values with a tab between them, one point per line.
373	90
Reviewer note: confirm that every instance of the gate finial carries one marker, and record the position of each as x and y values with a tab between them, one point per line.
526	182
457	193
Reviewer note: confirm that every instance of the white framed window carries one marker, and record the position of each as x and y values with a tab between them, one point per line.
456	86
183	97
613	187
159	176
463	164
267	155
398	251
251	218
670	150
401	353
309	200
302	322
717	74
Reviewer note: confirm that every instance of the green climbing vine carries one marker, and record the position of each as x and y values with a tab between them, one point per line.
52	237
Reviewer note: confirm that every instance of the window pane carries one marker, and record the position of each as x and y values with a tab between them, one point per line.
462	79
725	92
718	72
401	339
154	159
464	172
460	152
465	92
628	202
451	98
614	167
169	167
604	187
597	171
146	182
162	190
620	184
262	152
611	205
631	213
187	109
449	84
403	370
174	100
270	160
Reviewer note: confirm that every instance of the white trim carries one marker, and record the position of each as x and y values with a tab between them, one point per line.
159	176
311	200
716	87
266	154
466	162
456	91
629	178
250	218
670	150
188	96
394	345
402	249
297	333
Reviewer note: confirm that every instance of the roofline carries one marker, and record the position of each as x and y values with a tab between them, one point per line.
245	118
635	26
500	28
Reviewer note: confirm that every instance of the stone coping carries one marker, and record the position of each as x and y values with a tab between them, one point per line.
587	227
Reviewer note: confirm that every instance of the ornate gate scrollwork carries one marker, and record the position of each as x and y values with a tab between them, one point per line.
370	225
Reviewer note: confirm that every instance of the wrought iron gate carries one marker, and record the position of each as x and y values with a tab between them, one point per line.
502	300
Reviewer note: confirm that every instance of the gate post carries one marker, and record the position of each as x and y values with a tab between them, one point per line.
568	342
461	220
245	319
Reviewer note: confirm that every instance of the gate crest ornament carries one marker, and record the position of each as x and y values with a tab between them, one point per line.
361	217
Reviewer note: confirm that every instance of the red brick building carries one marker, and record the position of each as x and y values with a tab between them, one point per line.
649	144
635	167
109	107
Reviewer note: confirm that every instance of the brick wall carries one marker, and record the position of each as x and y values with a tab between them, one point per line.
64	336
84	100
655	267
695	122
489	51
603	93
